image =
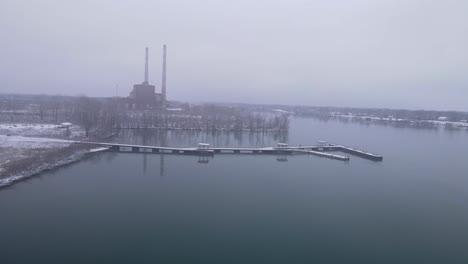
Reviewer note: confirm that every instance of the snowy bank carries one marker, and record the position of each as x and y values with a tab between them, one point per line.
23	157
21	142
28	172
41	130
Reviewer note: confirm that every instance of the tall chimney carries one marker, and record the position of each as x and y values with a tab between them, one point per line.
146	66
163	86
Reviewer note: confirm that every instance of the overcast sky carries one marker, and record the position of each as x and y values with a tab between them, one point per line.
368	53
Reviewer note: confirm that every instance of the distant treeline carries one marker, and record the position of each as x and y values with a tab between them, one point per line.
101	115
324	111
418	115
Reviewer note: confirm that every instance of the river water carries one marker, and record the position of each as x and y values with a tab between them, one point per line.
137	208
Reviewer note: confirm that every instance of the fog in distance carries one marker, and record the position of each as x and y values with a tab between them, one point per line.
364	53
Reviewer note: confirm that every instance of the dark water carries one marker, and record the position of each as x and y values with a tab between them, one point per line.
129	208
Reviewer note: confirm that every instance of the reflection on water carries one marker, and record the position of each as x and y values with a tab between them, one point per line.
187	138
204	159
281	158
116	207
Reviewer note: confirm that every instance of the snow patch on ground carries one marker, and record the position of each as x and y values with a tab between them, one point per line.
46	166
43	130
98	149
21	142
29	149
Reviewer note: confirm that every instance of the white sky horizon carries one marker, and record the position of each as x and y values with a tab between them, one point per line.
358	53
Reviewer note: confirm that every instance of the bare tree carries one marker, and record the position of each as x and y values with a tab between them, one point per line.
88	111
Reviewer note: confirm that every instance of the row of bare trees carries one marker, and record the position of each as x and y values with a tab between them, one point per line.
101	115
250	122
82	110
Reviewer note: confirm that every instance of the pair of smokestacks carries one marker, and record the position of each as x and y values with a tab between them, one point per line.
163	85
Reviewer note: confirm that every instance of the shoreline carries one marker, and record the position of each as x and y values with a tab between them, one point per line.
75	156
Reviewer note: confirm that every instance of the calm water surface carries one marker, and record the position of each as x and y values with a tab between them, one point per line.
136	208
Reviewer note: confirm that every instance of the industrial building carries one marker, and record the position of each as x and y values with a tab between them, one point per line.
144	95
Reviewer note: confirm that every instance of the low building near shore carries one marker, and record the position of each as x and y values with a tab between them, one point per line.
65	125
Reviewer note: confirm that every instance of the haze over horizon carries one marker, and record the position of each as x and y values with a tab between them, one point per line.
363	53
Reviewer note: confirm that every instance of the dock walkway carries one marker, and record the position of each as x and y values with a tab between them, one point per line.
345	149
205	150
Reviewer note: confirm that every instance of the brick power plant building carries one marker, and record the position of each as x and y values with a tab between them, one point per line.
144	95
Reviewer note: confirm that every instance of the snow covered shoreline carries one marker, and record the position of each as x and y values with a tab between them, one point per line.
75	156
38	170
27	150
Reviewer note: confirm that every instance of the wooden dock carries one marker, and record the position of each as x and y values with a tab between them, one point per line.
360	153
205	150
323	154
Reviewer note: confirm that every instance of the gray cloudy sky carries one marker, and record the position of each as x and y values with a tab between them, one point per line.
370	53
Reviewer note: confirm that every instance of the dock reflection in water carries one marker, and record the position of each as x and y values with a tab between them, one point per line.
187	138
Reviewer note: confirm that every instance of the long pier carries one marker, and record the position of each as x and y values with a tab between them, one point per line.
320	150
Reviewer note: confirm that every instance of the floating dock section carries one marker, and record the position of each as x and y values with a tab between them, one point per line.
345	149
116	147
360	153
323	154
